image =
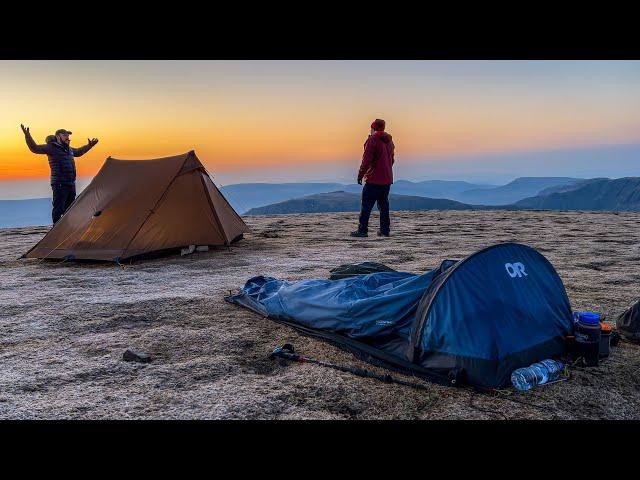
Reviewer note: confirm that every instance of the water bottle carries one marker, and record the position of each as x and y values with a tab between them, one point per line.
537	374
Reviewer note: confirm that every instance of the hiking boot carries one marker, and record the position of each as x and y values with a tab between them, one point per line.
358	233
380	234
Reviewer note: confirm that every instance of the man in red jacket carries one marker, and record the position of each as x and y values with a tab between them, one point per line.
376	170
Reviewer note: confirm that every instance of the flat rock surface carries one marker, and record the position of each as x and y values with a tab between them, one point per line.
64	326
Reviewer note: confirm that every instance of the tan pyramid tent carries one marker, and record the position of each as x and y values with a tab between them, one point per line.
133	207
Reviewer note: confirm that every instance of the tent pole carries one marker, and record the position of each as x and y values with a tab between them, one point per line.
287	352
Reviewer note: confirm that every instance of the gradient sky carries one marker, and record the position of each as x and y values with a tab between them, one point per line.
307	120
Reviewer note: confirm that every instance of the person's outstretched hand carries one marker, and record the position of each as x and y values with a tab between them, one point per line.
25	130
92	141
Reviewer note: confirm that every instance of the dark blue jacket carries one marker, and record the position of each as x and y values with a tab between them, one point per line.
63	167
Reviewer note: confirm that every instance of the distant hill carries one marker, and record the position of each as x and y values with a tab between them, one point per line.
350	202
245	196
18	213
553	193
568	187
514	191
429	188
621	194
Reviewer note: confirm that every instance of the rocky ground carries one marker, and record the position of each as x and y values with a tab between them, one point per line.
64	327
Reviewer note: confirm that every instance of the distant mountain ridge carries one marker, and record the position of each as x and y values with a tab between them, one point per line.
20	213
600	194
342	201
567	187
522	187
245	196
428	188
559	193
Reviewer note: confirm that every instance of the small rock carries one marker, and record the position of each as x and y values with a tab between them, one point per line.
131	355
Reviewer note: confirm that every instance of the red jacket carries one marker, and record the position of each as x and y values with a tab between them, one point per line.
377	159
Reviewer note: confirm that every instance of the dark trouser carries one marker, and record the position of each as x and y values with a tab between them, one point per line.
63	197
372	193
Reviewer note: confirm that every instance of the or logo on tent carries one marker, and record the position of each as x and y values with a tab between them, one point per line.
515	269
133	207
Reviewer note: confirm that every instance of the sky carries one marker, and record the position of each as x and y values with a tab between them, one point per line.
486	121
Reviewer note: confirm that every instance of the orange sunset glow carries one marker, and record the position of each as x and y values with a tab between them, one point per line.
251	116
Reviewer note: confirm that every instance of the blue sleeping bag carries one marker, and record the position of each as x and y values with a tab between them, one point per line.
363	307
498	309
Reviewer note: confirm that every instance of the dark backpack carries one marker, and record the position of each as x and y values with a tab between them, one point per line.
354	269
628	323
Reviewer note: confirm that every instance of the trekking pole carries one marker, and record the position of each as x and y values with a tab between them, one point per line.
288	353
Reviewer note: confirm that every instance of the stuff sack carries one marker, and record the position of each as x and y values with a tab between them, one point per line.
353	269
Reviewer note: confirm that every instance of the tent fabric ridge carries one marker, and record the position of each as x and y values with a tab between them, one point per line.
189	171
215	213
124	251
229	205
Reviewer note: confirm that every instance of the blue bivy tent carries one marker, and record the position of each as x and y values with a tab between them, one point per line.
470	321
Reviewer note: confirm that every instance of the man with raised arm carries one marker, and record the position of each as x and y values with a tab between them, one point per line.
63	168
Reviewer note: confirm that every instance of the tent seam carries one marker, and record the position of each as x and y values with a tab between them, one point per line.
227	201
213	210
152	210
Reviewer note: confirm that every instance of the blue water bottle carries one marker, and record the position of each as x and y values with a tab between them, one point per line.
587	332
537	374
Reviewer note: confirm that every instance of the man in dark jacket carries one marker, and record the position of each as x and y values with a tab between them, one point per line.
376	171
63	168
